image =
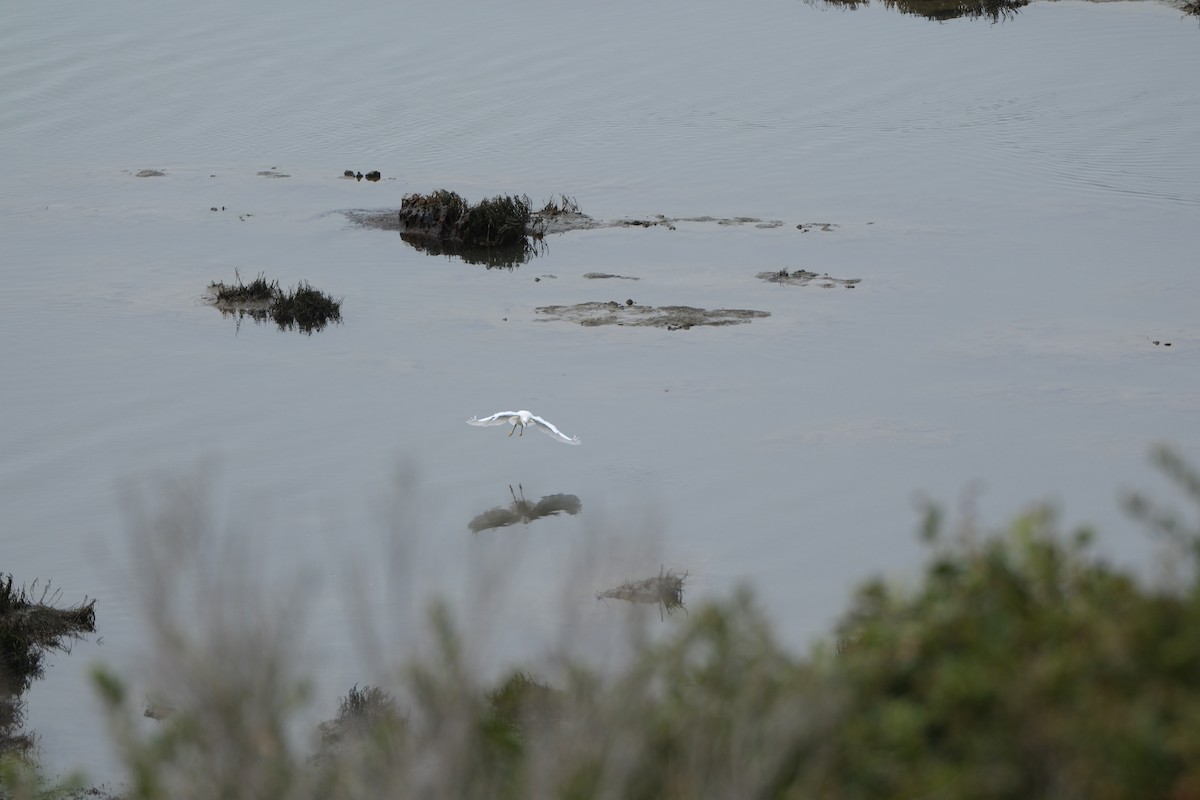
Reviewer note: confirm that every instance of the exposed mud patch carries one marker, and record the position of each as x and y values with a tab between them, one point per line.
805	227
383	219
273	172
802	277
565	221
149	173
673	318
599	276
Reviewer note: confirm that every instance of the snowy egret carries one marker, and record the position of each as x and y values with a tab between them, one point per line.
524	419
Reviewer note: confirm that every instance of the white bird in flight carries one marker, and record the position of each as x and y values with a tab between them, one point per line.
524	419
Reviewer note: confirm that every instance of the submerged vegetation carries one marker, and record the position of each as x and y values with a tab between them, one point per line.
1018	664
303	308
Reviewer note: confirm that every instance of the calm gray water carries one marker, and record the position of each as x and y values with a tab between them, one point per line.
1019	201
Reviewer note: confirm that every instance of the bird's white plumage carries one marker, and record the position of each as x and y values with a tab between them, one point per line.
524	419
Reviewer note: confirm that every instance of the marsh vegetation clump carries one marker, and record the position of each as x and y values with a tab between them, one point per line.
258	291
495	232
31	624
501	221
303	308
563	205
435	214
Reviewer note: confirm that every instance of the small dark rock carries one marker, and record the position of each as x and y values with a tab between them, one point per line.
373	175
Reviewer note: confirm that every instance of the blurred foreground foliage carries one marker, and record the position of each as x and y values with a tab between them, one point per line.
1017	665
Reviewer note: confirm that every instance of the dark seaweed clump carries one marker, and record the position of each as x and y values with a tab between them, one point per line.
304	308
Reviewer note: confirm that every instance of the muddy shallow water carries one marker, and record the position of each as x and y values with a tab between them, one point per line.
1016	201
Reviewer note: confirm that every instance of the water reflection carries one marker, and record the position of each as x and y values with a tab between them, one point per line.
498	257
940	10
284	323
521	510
664	590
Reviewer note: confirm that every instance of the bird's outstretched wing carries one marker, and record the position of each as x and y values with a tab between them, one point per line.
555	433
500	418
